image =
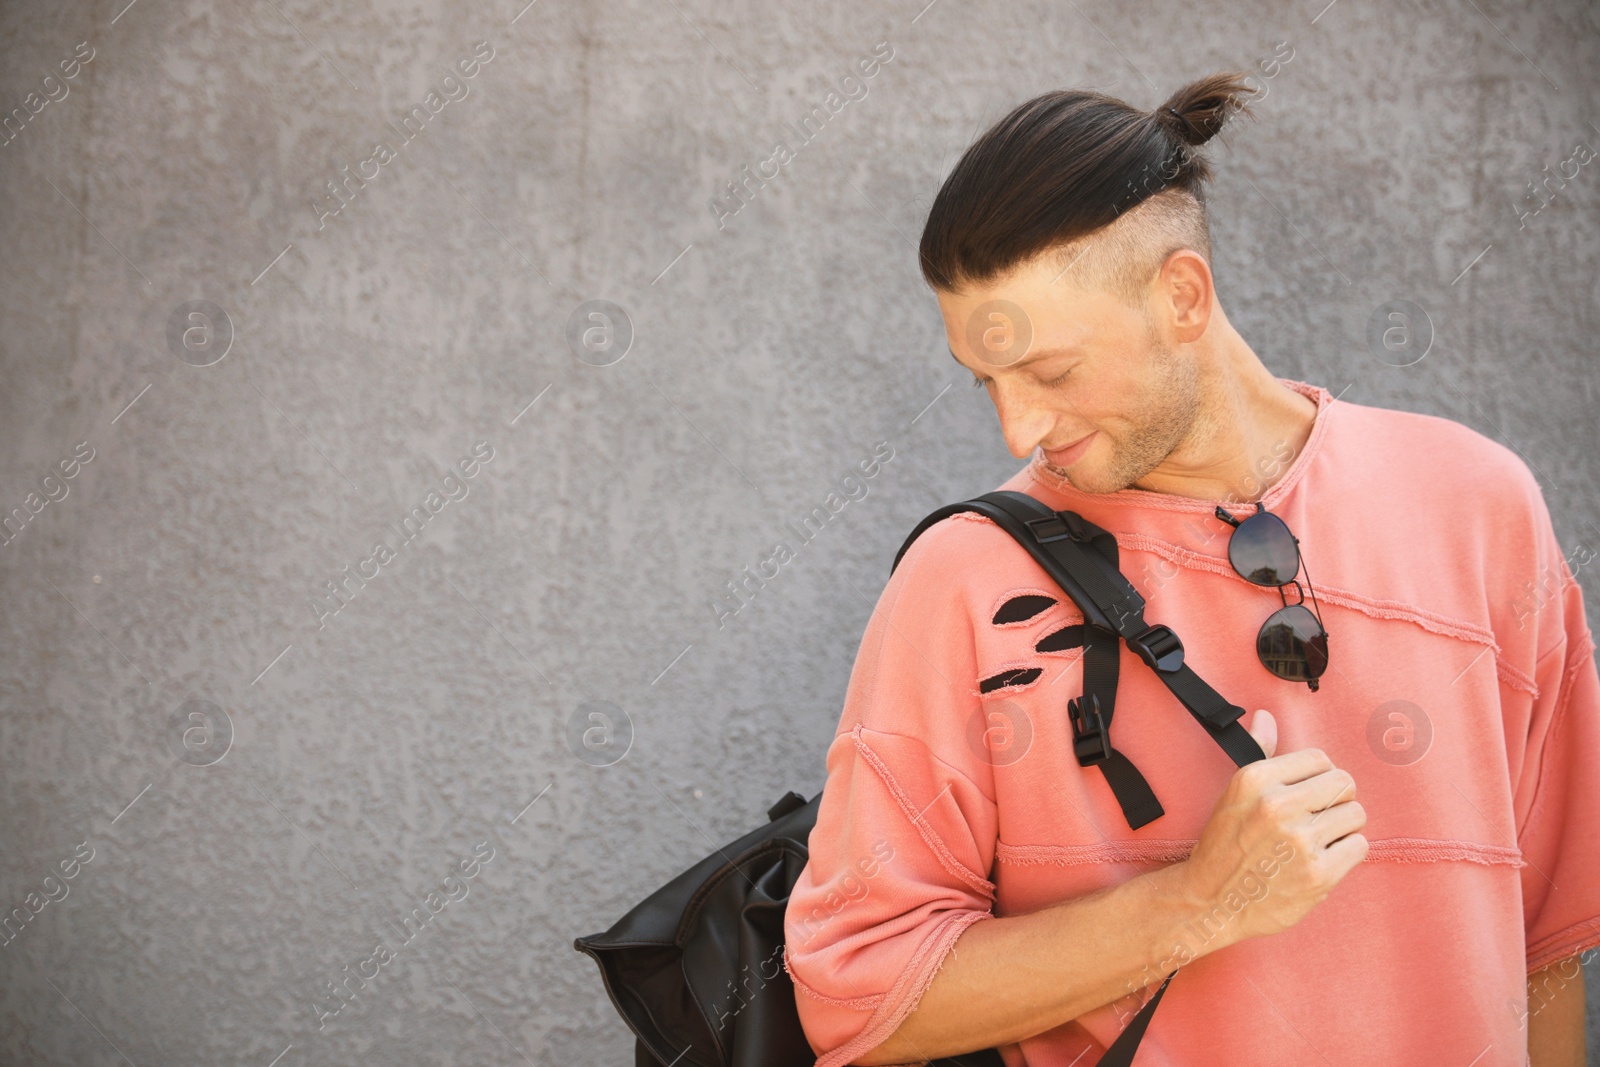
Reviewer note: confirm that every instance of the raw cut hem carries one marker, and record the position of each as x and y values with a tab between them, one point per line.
1569	942
862	1003
902	999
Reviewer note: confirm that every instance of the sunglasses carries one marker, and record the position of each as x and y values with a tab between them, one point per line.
1292	643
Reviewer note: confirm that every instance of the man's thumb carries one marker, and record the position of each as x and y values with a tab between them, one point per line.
1264	728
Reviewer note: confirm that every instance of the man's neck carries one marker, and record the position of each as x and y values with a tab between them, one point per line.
1249	431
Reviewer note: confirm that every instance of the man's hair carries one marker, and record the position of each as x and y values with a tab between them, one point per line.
1074	163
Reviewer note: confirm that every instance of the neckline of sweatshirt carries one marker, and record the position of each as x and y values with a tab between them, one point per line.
1274	497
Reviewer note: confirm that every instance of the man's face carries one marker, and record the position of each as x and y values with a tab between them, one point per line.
1075	372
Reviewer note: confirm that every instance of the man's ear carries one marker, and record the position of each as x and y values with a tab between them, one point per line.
1187	286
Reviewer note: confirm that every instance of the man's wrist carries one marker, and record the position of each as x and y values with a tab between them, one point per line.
1186	927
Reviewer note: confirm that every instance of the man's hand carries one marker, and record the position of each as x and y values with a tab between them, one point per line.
1289	823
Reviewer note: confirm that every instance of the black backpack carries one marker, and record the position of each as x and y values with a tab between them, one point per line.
696	969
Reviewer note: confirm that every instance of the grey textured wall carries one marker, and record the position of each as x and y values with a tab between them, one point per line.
160	606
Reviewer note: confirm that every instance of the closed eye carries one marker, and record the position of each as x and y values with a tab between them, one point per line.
979	383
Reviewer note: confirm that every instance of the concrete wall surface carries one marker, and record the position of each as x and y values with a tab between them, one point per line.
368	517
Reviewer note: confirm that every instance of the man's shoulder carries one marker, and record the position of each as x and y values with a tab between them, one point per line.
962	546
965	558
1407	448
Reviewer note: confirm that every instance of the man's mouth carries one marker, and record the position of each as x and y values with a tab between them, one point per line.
1066	457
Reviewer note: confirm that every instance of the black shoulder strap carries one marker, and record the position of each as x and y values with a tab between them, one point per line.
1082	559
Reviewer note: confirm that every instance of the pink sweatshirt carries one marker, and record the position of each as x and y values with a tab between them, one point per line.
1461	693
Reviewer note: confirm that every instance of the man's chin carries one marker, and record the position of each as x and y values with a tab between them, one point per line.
1063	472
1059	472
1082	479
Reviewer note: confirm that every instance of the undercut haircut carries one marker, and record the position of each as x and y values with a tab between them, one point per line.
1110	190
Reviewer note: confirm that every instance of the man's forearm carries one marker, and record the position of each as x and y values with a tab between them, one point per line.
1011	977
1555	1015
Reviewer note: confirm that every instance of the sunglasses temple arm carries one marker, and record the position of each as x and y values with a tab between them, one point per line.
1313	591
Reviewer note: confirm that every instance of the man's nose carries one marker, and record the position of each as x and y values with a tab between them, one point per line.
1025	420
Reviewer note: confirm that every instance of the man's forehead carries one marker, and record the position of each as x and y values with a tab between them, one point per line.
1044	328
1055	321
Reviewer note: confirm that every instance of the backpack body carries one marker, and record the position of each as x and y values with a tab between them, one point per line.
696	969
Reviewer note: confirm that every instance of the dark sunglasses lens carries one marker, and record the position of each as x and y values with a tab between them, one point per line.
1293	645
1263	550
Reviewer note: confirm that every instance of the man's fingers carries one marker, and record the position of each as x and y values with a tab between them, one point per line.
1335	822
1324	790
1346	852
1264	728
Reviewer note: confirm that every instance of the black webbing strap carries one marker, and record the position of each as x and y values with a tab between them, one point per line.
1090	555
1091	728
1120	1054
1083	560
1090	717
1091	713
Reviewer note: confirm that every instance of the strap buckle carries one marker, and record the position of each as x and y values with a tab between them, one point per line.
1159	647
1091	742
790	801
1062	524
1055	527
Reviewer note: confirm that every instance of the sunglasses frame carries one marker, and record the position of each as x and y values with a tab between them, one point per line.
1311	680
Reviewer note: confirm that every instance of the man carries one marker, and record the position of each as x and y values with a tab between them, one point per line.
970	885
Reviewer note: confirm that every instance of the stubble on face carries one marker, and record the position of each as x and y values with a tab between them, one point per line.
1161	420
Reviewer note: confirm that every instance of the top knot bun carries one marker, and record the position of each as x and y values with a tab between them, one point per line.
1197	112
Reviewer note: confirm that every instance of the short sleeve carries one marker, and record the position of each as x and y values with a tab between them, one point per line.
1558	813
905	833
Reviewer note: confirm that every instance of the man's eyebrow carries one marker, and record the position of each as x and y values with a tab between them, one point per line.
1029	358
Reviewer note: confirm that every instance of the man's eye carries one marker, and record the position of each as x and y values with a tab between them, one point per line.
977	383
1059	380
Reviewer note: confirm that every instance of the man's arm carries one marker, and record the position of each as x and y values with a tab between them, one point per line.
1011	977
1555	1015
1291	819
1553	724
